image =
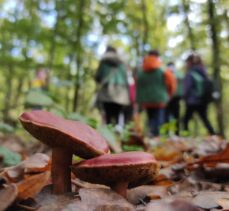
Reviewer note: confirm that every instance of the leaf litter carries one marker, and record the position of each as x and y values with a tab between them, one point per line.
194	175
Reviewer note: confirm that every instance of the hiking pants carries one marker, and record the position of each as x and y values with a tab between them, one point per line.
202	112
173	112
156	117
112	112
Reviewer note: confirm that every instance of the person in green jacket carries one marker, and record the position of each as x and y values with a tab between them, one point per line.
154	89
113	93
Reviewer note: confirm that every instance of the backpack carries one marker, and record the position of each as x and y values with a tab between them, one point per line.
205	88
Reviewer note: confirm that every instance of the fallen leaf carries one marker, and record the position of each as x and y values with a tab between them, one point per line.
83	184
14	173
29	204
224	203
213	159
49	201
179	205
134	195
176	205
162	180
167	153
39	162
8	196
32	185
36	163
208	199
98	198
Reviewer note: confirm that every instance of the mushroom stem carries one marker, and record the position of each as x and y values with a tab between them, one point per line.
120	188
61	173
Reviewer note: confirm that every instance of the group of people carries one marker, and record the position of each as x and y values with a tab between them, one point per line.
153	89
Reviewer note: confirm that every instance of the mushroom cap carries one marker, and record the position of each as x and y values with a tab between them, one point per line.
133	167
55	131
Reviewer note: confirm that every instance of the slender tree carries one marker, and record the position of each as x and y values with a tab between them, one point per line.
145	25
216	62
78	48
191	37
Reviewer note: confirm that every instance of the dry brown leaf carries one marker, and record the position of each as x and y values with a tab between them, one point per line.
224	203
49	201
100	198
162	180
134	195
14	173
8	196
177	205
29	205
82	184
39	162
212	160
32	185
36	163
208	199
87	199
167	153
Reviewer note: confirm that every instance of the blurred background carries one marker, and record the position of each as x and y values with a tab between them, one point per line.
55	46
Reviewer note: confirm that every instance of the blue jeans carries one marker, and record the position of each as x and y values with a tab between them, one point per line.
156	117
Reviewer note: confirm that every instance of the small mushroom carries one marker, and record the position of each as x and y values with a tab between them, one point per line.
65	137
118	170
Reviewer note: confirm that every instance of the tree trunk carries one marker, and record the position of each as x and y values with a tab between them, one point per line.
8	95
78	49
187	23
216	63
226	19
18	91
53	41
67	97
145	24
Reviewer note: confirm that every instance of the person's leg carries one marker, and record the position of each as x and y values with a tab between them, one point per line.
168	111
117	111
188	115
128	113
112	112
175	110
160	119
151	120
202	111
108	112
156	117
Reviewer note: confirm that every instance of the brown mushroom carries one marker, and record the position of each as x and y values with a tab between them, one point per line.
118	170
65	137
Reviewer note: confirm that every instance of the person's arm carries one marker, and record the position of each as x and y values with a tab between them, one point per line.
170	82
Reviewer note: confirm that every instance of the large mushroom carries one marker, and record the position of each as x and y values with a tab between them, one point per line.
118	170
65	137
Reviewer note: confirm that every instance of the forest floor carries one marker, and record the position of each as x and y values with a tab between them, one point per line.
194	175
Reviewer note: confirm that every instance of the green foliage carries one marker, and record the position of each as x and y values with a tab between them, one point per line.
6	128
168	129
109	133
126	132
9	158
132	148
78	117
38	98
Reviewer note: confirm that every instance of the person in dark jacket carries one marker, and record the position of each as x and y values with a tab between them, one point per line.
193	92
154	89
113	93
